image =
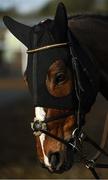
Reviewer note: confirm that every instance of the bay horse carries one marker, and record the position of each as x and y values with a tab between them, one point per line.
67	67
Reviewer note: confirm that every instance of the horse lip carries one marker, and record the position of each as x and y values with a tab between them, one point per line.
49	168
61	170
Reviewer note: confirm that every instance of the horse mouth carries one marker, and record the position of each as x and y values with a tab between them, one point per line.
64	166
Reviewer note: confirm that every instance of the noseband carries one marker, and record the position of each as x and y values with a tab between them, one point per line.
39	127
78	135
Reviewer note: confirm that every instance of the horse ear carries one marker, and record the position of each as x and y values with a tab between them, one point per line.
61	21
20	31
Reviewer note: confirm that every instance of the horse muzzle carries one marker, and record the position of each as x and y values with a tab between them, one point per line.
60	161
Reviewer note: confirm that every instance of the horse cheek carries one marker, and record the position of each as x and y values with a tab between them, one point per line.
68	126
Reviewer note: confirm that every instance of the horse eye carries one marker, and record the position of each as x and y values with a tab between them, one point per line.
60	78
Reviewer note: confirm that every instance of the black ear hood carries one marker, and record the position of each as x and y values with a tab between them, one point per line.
54	32
20	31
61	22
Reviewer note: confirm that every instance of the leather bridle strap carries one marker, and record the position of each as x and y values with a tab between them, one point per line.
91	164
66	143
47	47
41	127
61	116
93	143
78	86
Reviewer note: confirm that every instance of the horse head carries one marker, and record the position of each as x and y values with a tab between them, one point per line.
56	85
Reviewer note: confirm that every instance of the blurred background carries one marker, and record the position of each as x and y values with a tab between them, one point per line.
17	149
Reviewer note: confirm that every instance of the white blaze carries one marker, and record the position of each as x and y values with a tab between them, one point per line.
40	115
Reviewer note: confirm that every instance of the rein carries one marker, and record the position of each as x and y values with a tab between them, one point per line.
78	135
75	144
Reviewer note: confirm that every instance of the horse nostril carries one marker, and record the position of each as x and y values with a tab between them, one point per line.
54	159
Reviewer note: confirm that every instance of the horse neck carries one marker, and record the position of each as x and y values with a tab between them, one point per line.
91	31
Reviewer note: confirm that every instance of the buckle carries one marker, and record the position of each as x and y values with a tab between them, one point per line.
74	133
90	164
37	126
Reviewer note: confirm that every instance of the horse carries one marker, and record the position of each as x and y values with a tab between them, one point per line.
67	67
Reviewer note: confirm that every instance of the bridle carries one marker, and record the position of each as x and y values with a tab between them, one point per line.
78	135
38	126
74	63
41	126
